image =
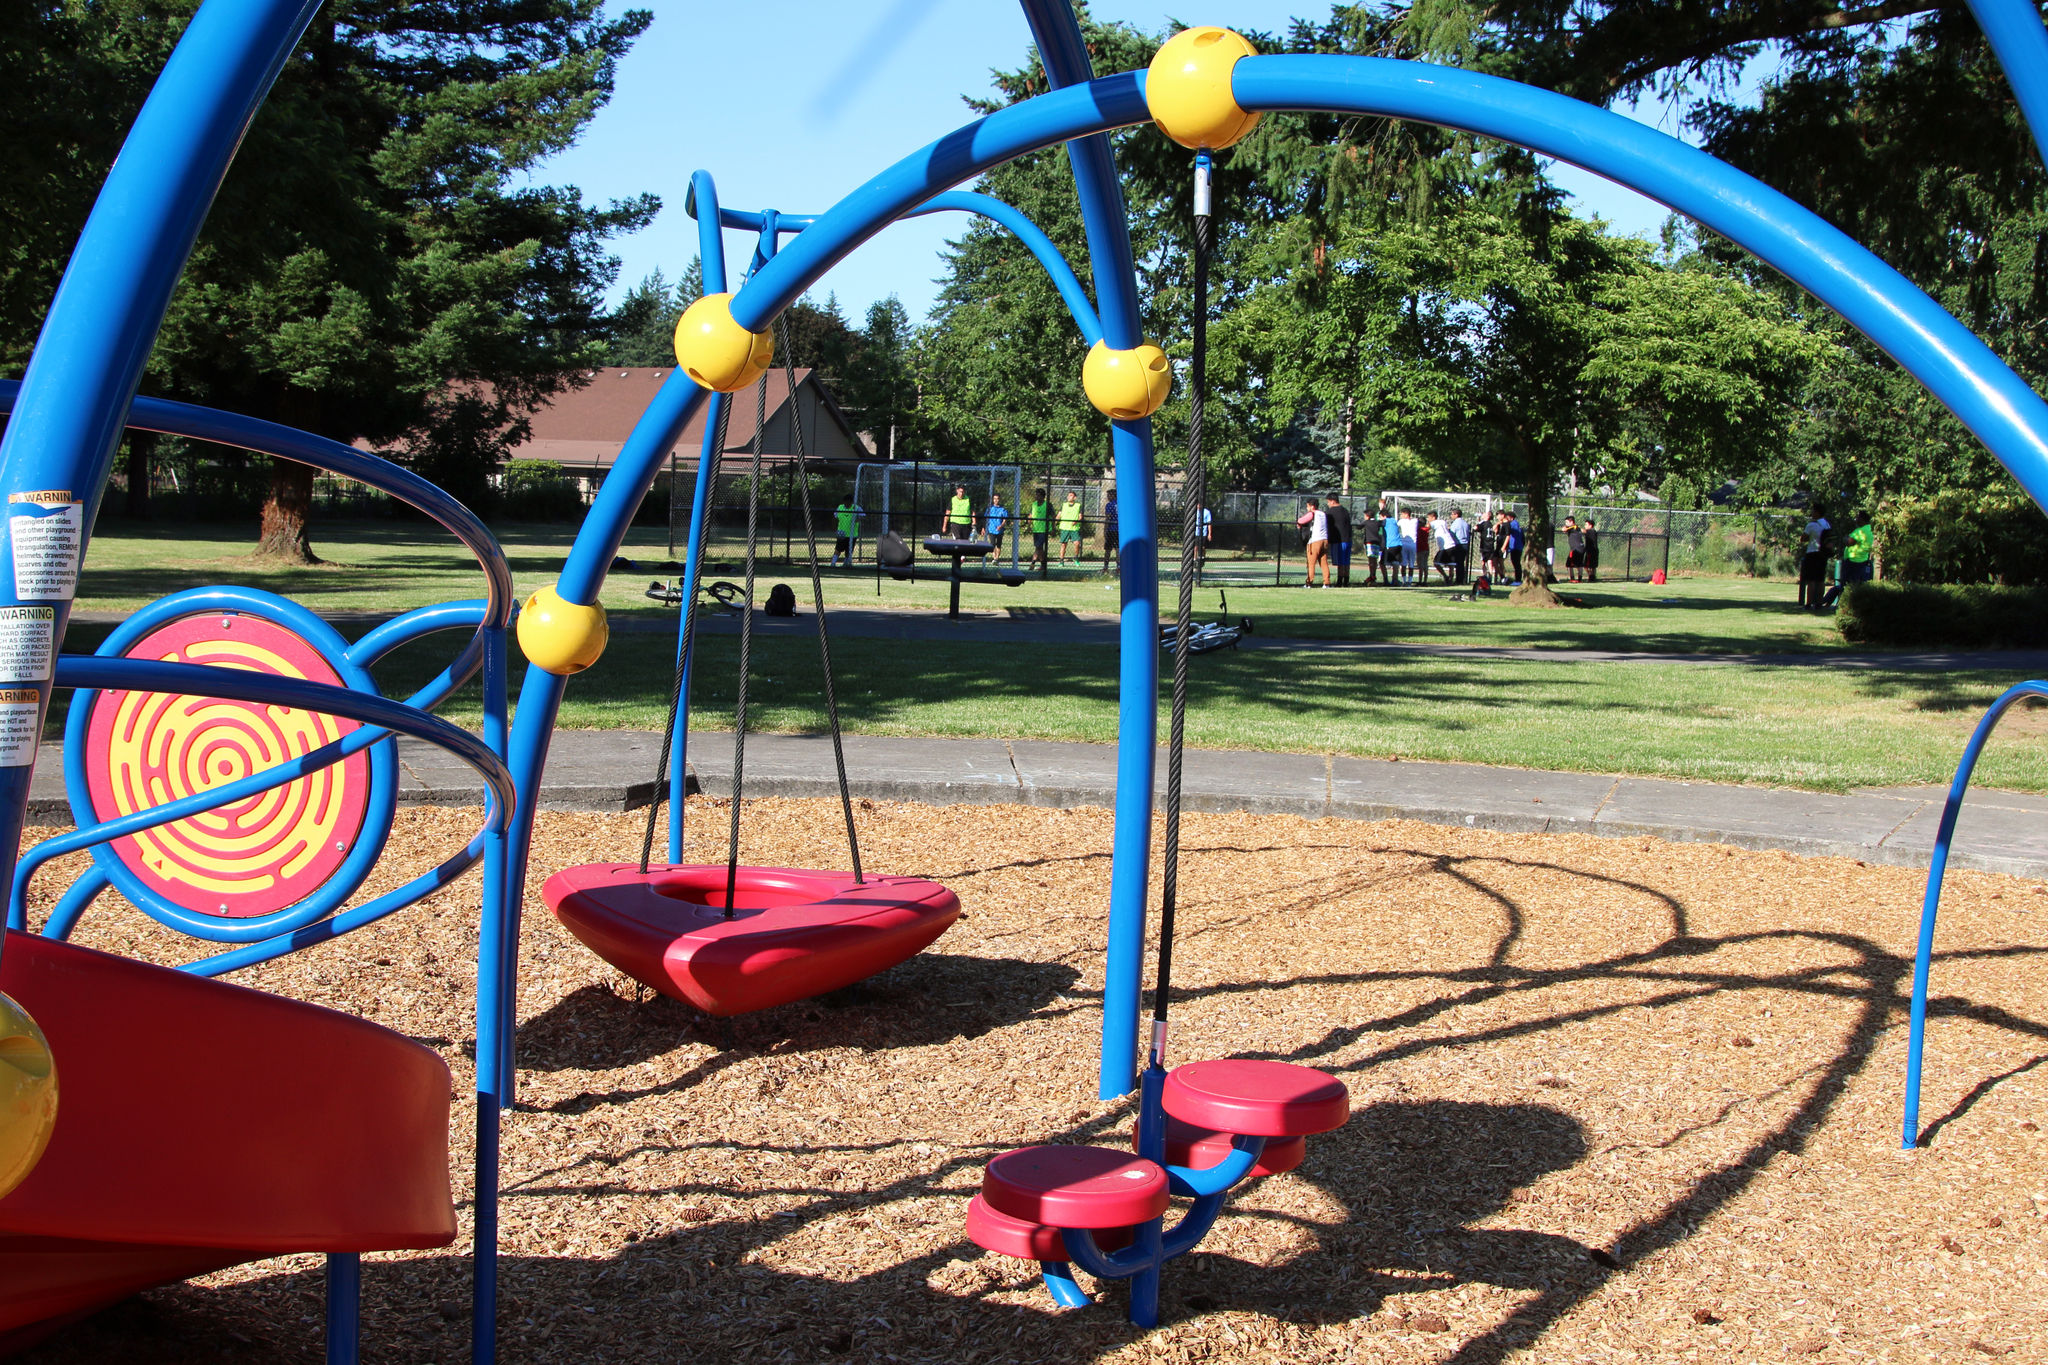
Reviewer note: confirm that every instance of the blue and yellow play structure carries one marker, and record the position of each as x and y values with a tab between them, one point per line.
112	1074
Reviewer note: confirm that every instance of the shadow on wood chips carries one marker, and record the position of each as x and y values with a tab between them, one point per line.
1612	1098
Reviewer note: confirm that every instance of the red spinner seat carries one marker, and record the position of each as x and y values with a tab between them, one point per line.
202	1124
1256	1098
792	935
1197	1148
1075	1187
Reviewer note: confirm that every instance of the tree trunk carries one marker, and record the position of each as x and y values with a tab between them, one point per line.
286	512
1349	400
141	464
1536	537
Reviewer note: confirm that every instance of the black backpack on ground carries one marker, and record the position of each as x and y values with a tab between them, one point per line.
781	601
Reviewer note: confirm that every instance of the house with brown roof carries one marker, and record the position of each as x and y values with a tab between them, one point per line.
583	429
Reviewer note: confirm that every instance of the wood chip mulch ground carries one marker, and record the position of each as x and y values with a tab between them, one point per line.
1613	1100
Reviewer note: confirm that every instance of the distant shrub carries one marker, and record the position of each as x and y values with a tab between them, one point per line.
537	490
1963	535
1956	615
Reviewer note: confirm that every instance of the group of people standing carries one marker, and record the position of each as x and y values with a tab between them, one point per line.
1402	545
1854	560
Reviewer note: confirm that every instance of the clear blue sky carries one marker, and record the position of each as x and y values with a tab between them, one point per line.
791	105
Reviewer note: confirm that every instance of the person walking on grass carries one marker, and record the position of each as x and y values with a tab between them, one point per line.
1409	526
1461	551
1205	530
995	519
1511	544
1574	549
1070	526
1390	559
1041	527
1339	518
1317	551
847	515
1590	561
959	515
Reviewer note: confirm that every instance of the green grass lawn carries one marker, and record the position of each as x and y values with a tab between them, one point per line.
386	566
1820	726
1815	727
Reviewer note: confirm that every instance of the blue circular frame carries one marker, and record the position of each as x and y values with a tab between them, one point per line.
377	813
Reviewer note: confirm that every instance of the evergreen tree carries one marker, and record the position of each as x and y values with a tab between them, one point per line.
374	243
643	326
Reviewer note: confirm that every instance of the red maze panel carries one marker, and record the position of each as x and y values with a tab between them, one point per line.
257	855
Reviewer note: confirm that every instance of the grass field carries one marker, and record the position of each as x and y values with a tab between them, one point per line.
1823	726
385	566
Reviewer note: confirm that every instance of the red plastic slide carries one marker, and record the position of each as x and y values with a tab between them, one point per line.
201	1124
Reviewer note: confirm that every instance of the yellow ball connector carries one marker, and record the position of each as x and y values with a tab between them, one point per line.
559	636
28	1094
1187	88
1126	385
716	351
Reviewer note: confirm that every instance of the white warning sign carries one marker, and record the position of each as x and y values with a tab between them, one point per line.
27	635
47	529
19	707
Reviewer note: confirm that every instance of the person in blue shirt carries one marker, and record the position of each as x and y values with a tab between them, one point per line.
1109	543
1511	544
995	519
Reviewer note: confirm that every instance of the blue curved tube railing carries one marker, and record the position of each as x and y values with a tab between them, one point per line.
1937	869
201	680
1957	367
2014	30
1035	241
365	652
269	438
337	888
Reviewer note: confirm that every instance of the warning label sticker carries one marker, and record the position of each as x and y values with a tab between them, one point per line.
26	637
46	528
18	709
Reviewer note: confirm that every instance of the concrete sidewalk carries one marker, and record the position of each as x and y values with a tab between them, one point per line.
614	770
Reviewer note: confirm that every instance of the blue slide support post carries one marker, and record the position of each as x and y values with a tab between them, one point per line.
1057	32
1937	869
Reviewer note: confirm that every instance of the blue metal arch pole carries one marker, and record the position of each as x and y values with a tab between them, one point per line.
59	447
1954	364
711	259
2014	30
1057	32
1034	240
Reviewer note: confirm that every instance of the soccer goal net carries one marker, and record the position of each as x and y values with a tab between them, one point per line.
913	499
1477	507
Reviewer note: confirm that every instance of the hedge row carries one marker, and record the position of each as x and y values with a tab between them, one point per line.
1956	615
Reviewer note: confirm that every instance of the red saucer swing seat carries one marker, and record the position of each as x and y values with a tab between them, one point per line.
793	934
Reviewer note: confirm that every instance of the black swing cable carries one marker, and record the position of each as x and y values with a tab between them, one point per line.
739	724
1193	494
818	597
689	629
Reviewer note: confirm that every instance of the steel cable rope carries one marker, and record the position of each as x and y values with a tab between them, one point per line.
739	724
1194	492
688	608
803	478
